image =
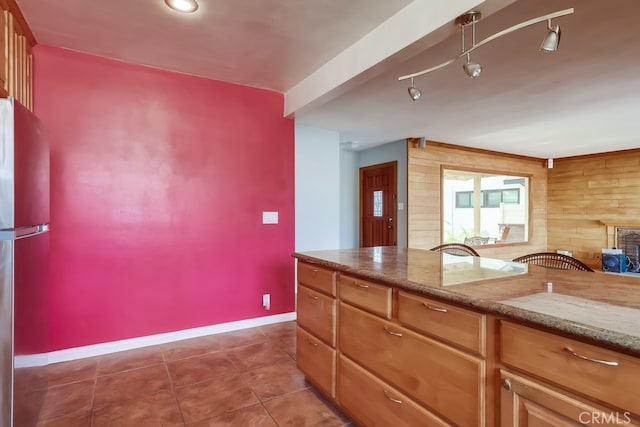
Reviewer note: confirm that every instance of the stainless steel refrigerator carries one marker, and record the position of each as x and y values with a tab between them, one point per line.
24	248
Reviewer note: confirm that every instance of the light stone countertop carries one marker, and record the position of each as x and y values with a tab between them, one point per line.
602	308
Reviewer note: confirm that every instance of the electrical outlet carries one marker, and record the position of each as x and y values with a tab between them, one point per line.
266	301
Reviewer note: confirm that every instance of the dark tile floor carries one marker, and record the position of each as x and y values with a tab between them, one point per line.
242	378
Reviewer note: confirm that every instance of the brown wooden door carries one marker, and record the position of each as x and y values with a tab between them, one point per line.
378	205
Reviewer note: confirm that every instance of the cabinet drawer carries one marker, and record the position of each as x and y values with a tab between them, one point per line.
444	379
369	296
318	278
317	314
589	371
373	403
463	327
317	361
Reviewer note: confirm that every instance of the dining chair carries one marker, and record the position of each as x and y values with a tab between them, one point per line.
554	260
476	240
456	249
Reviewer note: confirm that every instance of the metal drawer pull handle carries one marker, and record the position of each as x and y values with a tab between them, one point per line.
438	309
395	334
314	270
315	344
391	398
580	356
360	285
312	296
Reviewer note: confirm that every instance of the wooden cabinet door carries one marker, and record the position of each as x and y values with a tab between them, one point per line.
526	403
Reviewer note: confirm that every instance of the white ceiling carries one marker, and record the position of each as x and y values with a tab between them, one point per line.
338	61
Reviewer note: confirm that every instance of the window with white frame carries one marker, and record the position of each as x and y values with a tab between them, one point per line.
491	205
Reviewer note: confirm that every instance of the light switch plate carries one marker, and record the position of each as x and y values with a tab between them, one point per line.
269	217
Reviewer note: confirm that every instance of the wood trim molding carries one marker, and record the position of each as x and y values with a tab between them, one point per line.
481	171
413	143
630	151
21	26
623	224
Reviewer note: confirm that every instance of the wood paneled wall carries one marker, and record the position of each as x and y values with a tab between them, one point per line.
16	64
587	192
424	193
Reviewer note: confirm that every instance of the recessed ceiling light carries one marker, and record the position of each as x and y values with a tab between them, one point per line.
187	6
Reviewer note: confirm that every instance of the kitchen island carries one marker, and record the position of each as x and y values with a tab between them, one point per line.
406	336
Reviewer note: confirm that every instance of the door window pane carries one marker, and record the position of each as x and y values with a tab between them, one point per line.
377	203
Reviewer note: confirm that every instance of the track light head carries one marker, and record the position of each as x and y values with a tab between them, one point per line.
472	70
414	92
552	39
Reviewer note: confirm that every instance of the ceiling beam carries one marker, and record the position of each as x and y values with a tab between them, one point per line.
399	33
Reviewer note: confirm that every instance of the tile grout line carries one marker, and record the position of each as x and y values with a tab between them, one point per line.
93	397
269	413
272	342
260	400
173	388
242	374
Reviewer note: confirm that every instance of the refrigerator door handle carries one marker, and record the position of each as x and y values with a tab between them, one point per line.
22	232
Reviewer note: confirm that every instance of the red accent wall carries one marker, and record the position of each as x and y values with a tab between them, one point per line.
158	183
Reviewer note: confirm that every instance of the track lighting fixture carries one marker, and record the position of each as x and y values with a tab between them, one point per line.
473	70
552	40
414	92
469	18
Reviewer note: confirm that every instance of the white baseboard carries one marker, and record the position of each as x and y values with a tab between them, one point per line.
133	343
31	360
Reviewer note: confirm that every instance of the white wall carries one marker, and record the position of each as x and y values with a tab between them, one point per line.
388	153
327	189
317	189
349	199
